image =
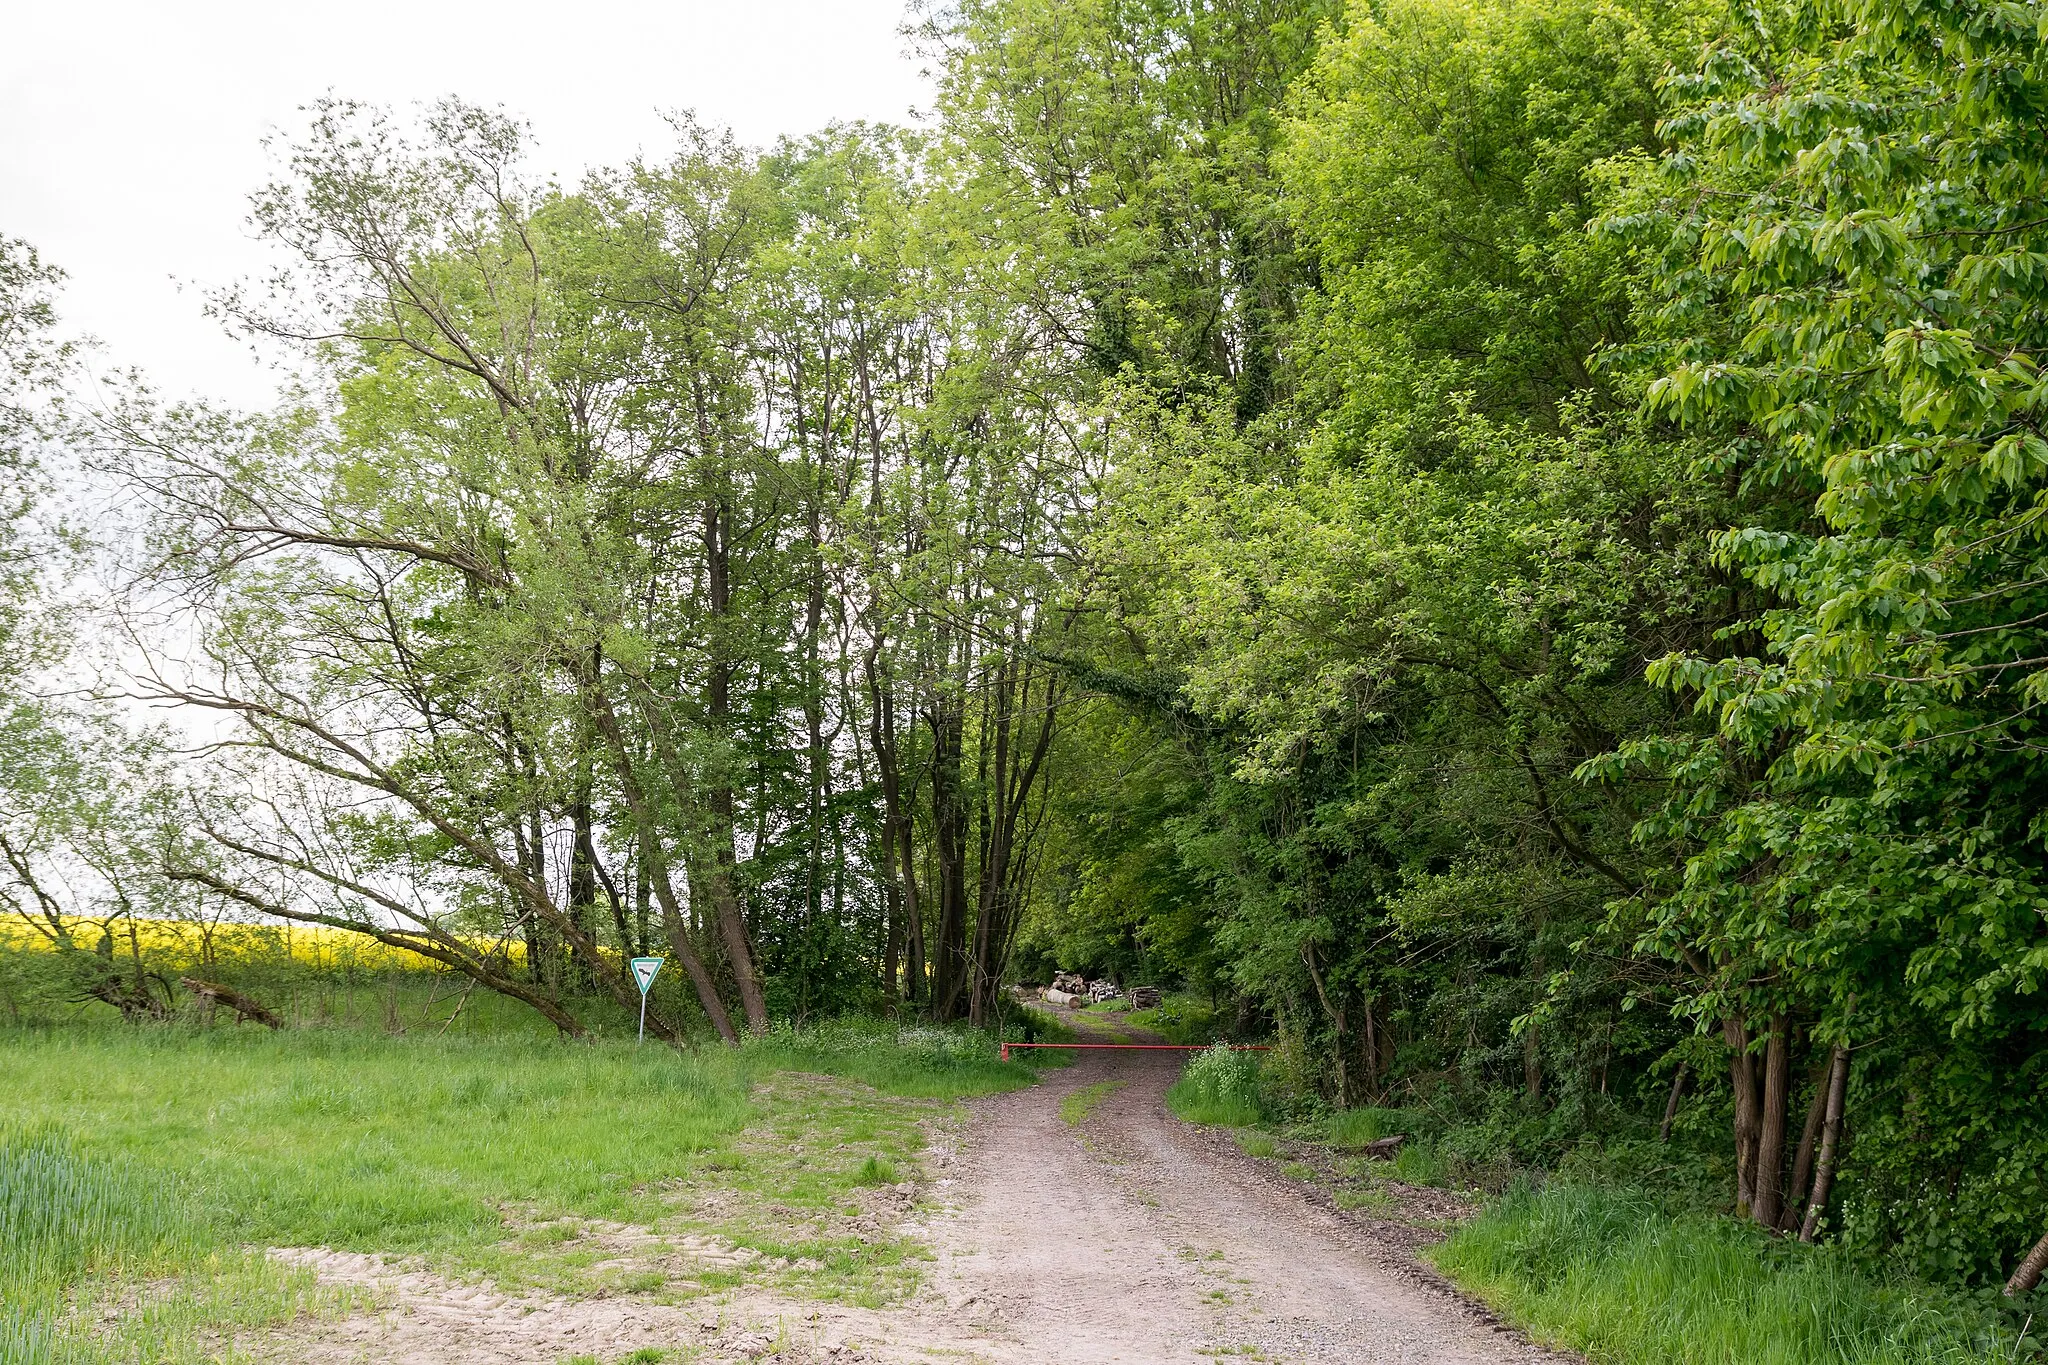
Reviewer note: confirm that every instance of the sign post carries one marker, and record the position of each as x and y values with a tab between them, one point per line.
644	969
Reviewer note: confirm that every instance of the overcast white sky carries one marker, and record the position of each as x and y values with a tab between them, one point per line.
130	131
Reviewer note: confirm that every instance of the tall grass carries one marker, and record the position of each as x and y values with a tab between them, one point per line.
1609	1274
78	1234
1219	1086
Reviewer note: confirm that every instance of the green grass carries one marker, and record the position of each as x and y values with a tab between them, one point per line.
1607	1273
1218	1087
1257	1144
1370	1200
488	1156
1180	1019
1079	1104
103	1264
1357	1127
876	1170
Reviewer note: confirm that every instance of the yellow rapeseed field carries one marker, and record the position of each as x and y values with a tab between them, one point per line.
180	944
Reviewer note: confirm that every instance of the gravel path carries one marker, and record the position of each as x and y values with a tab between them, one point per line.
1135	1237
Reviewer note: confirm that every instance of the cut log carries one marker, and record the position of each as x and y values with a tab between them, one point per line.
1145	997
2029	1273
1385	1148
1053	995
242	1005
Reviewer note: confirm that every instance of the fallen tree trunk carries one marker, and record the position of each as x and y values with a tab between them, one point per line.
2029	1273
244	1008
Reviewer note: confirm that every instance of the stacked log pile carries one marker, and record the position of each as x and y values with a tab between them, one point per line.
1075	991
1071	990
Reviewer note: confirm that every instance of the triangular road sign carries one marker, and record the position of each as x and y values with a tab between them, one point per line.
644	969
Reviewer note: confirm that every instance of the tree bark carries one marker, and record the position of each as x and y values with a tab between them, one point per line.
1802	1164
1742	1080
242	1005
949	845
1671	1103
1830	1143
1770	1147
725	906
2029	1271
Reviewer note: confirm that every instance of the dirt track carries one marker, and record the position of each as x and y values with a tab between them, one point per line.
1130	1237
1135	1237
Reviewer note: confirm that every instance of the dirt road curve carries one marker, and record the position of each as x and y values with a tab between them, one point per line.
1134	1237
1128	1237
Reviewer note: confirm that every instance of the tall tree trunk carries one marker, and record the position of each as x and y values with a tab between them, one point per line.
1802	1163
1770	1147
994	837
916	960
1016	777
582	867
719	880
1830	1143
1671	1103
658	871
1742	1080
949	845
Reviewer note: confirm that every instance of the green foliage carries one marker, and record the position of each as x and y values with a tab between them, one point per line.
1607	1273
1219	1086
1496	543
1842	244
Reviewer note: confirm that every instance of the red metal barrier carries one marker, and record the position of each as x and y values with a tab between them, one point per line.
1142	1047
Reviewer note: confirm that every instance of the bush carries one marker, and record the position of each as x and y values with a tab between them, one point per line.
1290	1078
1608	1273
1219	1086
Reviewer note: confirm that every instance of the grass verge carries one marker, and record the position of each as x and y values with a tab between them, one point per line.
522	1160
1609	1274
